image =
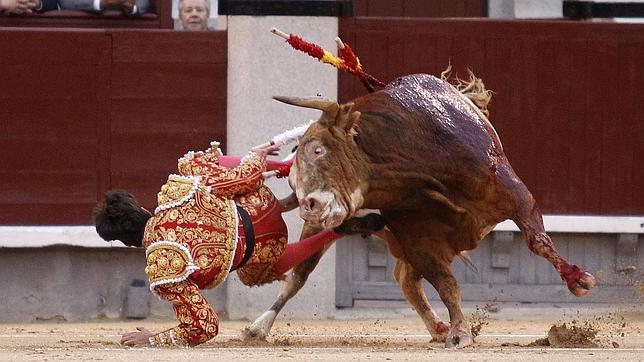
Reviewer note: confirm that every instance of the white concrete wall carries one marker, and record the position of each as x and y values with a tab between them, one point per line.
261	65
525	8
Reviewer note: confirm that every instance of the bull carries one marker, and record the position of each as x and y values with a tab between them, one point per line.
426	156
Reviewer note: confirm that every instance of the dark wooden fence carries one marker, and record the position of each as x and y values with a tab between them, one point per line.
420	8
84	111
567	102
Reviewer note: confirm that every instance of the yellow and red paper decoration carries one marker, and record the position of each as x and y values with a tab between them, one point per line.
347	60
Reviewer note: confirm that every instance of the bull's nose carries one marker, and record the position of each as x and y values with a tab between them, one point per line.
310	204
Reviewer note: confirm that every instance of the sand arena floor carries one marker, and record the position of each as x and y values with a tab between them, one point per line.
507	334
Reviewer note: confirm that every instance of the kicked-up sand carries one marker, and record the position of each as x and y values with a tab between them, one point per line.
506	333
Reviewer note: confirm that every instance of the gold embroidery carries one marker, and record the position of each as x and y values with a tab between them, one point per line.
259	274
206	226
148	233
257	202
200	163
198	323
176	190
260	267
173	214
168	262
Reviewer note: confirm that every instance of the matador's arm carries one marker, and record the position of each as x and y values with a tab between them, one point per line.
244	178
198	322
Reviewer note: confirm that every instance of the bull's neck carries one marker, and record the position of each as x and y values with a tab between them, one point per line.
385	189
389	187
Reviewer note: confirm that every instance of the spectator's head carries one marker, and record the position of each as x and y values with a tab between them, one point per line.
194	14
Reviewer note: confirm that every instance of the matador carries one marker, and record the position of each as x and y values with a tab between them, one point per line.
213	217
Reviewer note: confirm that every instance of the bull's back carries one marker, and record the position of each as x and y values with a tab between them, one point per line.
441	110
420	124
433	122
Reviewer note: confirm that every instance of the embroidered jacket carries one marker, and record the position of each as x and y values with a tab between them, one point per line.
196	237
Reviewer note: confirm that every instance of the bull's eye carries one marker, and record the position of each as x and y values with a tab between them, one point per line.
315	149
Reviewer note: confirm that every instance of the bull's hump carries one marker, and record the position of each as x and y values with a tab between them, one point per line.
425	93
437	101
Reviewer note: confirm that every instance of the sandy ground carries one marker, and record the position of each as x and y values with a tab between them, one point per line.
378	334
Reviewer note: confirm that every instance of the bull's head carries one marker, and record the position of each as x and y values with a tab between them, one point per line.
329	169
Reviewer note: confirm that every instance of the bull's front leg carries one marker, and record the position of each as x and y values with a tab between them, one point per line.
410	284
437	271
294	281
460	332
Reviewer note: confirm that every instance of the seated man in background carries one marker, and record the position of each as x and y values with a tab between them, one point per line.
216	216
128	7
27	6
194	14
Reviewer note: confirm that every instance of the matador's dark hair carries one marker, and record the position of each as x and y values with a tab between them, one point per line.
121	217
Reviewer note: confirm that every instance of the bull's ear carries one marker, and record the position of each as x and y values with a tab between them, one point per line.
347	117
328	107
353	118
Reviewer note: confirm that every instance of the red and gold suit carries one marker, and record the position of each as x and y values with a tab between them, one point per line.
196	237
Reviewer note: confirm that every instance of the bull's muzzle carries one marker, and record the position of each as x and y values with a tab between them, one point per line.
310	207
321	208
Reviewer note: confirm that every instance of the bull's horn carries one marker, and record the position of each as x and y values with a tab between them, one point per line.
325	105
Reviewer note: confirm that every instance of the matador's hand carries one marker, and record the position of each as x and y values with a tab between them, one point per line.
270	150
141	338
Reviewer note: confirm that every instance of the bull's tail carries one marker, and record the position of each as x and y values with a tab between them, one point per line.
473	88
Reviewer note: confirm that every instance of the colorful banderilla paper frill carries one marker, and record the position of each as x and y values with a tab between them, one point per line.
347	60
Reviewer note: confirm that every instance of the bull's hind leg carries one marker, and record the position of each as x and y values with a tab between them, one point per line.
579	281
410	283
294	281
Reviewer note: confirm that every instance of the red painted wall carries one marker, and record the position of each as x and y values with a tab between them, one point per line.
567	102
99	109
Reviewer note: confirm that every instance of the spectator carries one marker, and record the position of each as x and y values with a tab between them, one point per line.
128	7
194	14
27	6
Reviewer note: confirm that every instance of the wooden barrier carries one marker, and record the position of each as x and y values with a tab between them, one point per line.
566	103
100	109
420	8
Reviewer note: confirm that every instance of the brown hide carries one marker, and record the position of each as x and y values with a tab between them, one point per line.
429	160
420	152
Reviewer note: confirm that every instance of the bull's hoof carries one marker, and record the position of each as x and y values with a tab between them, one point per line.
579	281
250	334
258	331
458	339
581	285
